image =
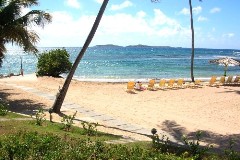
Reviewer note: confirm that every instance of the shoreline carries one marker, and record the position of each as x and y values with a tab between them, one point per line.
107	80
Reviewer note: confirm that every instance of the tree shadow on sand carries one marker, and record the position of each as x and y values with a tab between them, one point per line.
232	90
24	106
220	142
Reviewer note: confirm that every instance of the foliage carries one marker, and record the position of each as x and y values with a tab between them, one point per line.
68	121
163	144
230	152
90	128
15	26
40	117
194	147
32	145
53	63
3	108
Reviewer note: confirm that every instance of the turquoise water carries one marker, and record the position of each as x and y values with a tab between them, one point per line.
124	63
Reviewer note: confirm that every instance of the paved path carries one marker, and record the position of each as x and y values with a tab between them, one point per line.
89	114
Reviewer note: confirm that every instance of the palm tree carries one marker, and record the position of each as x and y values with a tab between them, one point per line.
15	27
192	29
62	92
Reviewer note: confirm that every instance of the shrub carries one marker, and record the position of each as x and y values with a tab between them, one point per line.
40	117
3	108
90	128
68	121
194	147
230	152
53	63
32	145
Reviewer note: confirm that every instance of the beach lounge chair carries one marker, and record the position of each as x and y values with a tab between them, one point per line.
180	83
198	83
151	85
130	87
237	80
171	83
221	81
212	81
162	84
229	80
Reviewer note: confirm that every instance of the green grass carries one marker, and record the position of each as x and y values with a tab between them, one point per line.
13	126
13	115
61	144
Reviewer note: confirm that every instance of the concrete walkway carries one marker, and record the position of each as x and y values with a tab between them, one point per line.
91	116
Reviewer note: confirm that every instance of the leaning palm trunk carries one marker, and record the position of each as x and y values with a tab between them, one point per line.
192	29
62	92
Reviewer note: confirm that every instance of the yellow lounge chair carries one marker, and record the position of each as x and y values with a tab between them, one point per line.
212	81
221	81
151	85
198	83
130	87
171	83
162	84
180	83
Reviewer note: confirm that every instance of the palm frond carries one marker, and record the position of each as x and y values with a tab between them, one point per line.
37	17
14	27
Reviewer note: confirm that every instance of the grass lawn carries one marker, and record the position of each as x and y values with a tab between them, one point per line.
14	125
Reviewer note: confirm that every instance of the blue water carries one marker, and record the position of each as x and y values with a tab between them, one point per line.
124	63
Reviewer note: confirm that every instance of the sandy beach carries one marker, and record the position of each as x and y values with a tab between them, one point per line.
183	111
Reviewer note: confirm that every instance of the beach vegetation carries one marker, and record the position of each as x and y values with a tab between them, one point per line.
60	98
53	63
230	152
16	27
90	128
68	121
3	108
25	140
194	148
40	117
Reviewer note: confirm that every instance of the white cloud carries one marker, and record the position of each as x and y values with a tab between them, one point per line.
201	18
185	11
162	19
141	14
215	10
99	1
73	3
121	29
228	35
196	11
123	5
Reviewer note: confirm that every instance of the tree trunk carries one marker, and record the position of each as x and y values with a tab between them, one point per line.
192	29
62	92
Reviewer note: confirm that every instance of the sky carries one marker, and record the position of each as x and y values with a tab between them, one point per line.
133	22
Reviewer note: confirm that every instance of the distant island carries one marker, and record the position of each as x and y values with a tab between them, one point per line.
131	46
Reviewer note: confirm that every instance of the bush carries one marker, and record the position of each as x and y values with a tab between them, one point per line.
32	145
53	63
3	108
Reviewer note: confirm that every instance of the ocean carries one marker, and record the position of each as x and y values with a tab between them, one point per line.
120	64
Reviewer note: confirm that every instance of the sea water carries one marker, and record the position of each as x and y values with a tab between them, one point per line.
118	64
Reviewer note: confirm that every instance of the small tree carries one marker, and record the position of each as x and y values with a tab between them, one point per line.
53	63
